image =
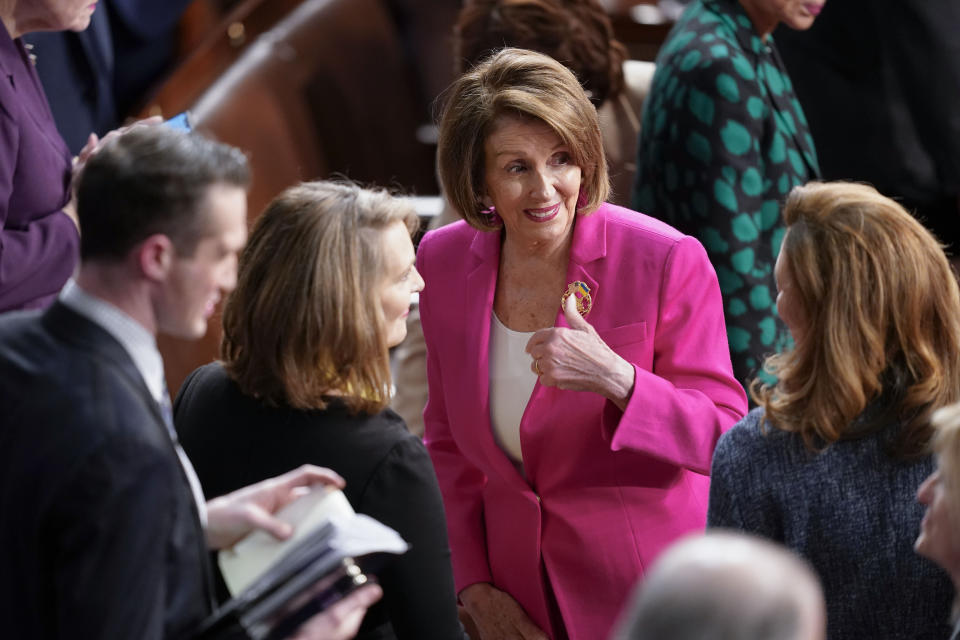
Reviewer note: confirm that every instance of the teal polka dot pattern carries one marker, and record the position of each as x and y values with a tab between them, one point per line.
760	297
723	139
690	60
742	260
699	147
736	307
701	106
727	88
752	182
744	229
778	148
736	138
725	195
743	67
719	50
713	241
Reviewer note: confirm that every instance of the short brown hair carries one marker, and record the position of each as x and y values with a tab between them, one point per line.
881	309
577	33
304	321
152	180
519	83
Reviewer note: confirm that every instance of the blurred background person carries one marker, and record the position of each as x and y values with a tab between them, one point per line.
726	586
939	538
830	461
39	243
722	142
879	81
578	34
97	77
323	290
577	362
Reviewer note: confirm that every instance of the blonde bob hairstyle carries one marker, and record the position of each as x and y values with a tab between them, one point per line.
525	84
880	312
305	321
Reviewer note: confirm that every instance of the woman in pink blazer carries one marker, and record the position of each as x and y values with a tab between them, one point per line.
578	364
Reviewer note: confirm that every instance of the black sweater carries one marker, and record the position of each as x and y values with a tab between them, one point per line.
234	440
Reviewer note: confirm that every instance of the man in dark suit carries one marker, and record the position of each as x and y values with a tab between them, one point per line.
104	529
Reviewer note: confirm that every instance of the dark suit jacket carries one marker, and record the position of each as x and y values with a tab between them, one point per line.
77	71
100	536
879	81
234	440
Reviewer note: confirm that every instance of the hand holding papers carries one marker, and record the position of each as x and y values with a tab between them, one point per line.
277	584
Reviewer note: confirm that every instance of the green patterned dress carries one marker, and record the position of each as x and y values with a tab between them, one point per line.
723	140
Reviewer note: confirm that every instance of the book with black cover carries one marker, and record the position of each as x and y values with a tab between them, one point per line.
281	584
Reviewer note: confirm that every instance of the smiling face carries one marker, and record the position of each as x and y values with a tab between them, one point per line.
195	283
796	14
399	281
939	540
531	180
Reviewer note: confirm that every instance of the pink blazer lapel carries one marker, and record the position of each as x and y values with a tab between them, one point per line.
589	245
480	286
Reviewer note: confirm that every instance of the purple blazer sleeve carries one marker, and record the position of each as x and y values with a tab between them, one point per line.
38	242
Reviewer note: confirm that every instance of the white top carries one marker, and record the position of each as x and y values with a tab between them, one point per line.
511	383
141	346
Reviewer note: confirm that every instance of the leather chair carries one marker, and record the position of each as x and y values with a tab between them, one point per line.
326	91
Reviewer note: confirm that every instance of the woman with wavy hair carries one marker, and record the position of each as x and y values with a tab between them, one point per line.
323	290
829	461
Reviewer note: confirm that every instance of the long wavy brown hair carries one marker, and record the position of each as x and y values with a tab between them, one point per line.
304	321
880	310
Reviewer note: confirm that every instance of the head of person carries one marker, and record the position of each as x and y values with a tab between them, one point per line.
519	139
166	209
939	538
726	586
577	33
874	310
323	292
21	17
796	14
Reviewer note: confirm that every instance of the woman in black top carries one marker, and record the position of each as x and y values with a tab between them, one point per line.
323	291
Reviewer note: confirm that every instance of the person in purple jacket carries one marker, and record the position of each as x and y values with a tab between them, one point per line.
38	232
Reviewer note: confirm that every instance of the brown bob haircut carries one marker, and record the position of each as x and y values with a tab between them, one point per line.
881	312
304	321
577	33
524	84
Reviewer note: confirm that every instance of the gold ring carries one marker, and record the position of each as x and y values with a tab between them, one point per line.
536	365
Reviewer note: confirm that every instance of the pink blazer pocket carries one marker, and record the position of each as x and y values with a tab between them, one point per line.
630	343
624	335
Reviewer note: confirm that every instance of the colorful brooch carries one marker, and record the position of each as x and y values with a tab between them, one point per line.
581	291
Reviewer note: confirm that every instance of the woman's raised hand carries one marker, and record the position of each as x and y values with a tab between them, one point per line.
497	615
577	359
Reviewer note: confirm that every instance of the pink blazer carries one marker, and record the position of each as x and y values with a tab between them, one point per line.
605	491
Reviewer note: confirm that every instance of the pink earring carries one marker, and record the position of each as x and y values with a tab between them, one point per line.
493	218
